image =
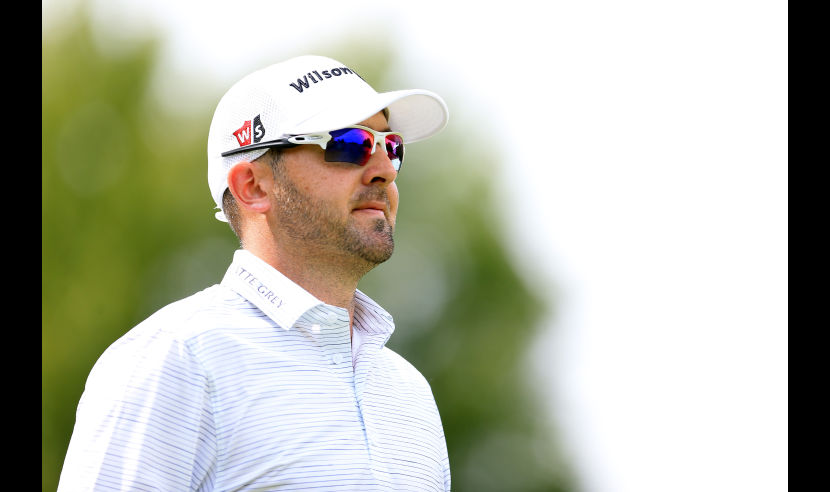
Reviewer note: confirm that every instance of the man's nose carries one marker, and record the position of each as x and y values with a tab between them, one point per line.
380	167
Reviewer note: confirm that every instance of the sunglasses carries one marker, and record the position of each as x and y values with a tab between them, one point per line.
353	144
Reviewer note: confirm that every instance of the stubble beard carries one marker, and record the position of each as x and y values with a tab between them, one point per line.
314	222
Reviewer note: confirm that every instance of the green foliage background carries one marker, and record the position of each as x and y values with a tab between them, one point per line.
127	227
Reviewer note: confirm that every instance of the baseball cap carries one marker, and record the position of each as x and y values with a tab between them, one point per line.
307	94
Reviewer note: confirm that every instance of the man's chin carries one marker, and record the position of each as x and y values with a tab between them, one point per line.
377	246
378	252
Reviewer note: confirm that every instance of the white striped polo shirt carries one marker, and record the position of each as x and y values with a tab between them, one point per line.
252	385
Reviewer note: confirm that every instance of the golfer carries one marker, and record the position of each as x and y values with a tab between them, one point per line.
278	378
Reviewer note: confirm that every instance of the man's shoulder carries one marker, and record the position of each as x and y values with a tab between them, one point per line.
172	334
197	313
404	369
189	318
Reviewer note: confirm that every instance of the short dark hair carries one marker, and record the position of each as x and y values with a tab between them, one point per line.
231	208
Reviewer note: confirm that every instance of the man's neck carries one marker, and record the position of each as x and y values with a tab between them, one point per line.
324	281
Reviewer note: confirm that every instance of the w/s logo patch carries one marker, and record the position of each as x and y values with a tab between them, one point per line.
249	131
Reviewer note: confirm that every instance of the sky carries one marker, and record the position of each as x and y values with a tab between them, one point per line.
644	188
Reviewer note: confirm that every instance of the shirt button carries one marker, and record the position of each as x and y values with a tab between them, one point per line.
329	317
336	358
315	328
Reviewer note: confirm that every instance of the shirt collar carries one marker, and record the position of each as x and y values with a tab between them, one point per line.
266	288
285	302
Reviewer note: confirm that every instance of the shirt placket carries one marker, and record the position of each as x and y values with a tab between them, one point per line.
363	372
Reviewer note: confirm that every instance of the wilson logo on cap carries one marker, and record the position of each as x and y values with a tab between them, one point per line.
244	134
302	83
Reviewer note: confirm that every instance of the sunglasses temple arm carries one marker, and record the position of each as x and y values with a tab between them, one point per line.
321	139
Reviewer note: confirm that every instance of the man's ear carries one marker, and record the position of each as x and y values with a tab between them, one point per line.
249	183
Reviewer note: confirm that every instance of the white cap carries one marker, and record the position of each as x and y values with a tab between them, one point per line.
307	94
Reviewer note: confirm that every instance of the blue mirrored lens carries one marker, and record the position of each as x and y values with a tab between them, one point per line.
354	145
349	145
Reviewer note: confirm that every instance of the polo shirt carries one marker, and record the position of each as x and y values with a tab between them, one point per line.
254	384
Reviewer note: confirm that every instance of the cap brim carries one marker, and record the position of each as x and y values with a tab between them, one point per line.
416	114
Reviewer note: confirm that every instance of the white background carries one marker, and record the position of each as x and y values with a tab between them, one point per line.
656	215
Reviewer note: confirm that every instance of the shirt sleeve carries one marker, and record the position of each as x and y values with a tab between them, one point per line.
144	421
446	464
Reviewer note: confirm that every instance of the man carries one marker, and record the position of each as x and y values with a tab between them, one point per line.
278	378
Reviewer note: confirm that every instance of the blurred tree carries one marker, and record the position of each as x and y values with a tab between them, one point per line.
127	227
